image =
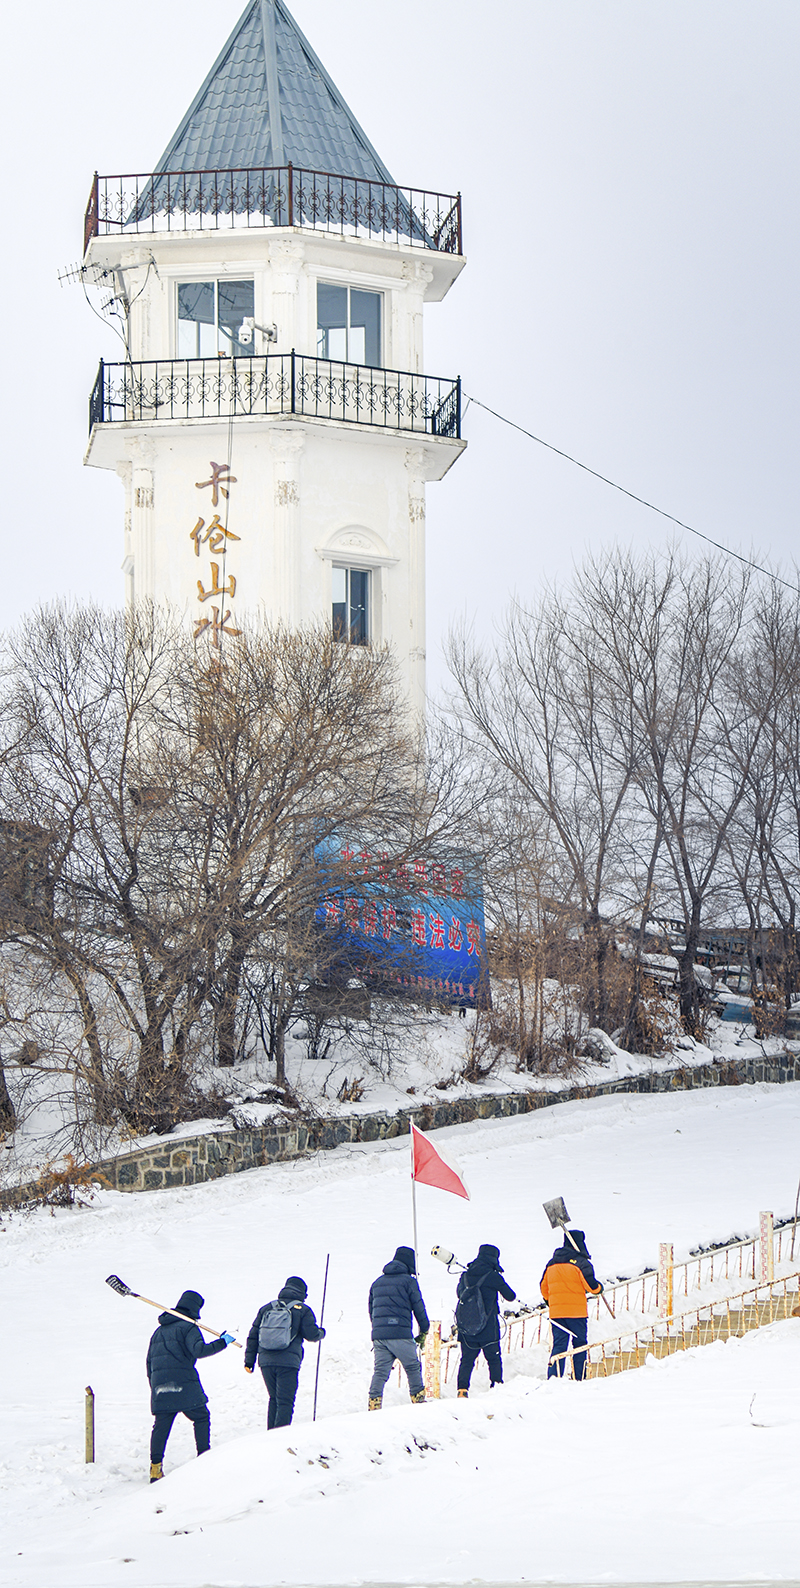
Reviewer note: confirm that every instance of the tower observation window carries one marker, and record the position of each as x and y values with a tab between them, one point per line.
210	314
348	325
351	605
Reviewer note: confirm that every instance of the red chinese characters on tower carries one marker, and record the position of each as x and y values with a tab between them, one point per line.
217	625
418	928
220	477
473	938
216	536
437	931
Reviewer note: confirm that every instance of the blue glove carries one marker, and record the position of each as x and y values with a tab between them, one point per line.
229	1339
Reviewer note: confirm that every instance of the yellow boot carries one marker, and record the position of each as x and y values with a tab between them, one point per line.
156	1471
417	1399
375	1403
463	1394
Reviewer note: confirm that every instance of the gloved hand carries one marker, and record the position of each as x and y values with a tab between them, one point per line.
230	1339
247	1369
421	1338
322	1332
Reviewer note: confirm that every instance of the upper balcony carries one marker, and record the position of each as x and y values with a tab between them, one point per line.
273	196
279	386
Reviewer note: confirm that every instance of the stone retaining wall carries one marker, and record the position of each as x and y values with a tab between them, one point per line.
192	1159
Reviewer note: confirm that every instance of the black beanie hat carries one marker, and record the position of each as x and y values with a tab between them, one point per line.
295	1286
405	1254
491	1253
191	1302
573	1238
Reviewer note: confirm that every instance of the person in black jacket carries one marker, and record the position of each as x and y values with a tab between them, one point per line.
393	1298
482	1277
174	1382
281	1368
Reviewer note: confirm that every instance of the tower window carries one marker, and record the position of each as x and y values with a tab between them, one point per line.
348	325
210	314
351	605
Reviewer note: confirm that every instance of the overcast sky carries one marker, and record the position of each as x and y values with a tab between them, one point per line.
629	177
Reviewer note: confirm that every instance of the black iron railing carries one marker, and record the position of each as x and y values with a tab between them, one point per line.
275	385
184	201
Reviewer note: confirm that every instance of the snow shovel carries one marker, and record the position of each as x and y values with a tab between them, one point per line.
122	1289
559	1218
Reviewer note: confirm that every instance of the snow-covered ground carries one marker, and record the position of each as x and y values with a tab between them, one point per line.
687	1469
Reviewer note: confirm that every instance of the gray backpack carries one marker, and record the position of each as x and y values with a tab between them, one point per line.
275	1329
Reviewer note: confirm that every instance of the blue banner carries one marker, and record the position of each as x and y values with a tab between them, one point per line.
416	926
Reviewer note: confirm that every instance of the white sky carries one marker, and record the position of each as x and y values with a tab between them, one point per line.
629	174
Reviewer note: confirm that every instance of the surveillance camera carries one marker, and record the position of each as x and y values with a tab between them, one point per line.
246	330
442	1253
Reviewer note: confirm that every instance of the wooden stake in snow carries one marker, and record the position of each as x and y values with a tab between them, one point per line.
89	1424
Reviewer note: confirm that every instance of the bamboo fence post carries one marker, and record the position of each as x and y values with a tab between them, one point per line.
766	1236
665	1277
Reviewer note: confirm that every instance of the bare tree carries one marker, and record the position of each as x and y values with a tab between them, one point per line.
538	705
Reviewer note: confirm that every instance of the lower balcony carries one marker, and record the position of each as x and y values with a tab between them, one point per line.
276	386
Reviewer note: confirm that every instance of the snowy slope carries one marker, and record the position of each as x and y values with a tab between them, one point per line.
674	1472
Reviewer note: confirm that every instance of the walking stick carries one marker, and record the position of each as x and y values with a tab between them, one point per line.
319	1347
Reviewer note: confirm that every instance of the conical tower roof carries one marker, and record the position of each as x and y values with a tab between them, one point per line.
268	100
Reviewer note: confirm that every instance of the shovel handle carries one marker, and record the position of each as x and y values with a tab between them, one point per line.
184	1316
577	1248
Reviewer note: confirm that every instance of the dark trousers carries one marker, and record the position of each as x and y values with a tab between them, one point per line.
162	1428
387	1352
564	1330
281	1383
470	1351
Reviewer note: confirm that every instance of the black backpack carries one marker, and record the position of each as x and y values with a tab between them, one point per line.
471	1314
275	1328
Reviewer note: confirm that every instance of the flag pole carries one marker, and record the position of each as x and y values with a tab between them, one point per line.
413	1196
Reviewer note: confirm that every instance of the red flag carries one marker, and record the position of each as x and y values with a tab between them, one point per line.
430	1167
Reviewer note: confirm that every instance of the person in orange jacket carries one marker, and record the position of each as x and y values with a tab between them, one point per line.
567	1280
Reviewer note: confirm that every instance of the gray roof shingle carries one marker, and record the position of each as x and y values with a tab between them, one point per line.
266	101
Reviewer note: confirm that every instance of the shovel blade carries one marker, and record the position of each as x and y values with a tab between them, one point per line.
556	1212
119	1285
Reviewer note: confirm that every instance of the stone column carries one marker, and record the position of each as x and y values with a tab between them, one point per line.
417	277
287	447
415	463
142	495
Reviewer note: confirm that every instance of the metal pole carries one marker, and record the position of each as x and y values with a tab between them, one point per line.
89	1424
319	1347
413	1198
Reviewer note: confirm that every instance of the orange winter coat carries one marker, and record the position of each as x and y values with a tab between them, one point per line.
565	1289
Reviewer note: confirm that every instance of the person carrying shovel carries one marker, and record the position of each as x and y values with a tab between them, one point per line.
567	1280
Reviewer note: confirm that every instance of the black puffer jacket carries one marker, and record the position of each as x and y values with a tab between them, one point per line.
304	1327
485	1272
171	1355
394	1297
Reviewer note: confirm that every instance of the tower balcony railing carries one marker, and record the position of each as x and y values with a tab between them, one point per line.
190	201
275	386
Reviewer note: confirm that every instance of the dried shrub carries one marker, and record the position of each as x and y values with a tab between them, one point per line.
72	1185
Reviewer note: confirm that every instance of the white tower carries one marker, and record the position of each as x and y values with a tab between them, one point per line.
272	424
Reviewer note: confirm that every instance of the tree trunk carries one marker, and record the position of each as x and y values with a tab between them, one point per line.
8	1113
689	1001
